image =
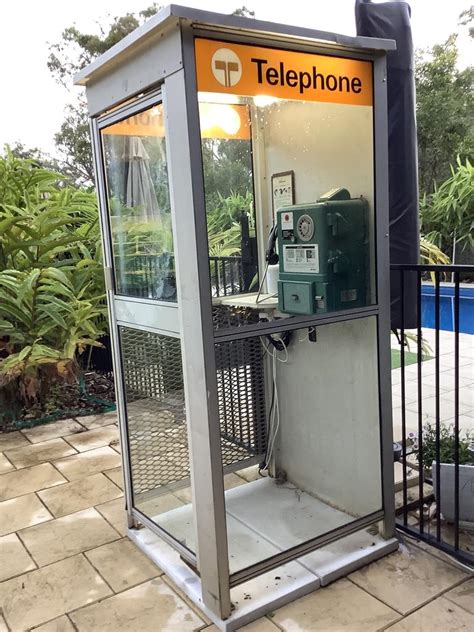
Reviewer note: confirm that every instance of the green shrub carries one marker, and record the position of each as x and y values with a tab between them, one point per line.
51	281
447	215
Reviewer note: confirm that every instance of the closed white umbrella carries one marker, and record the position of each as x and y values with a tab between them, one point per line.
140	193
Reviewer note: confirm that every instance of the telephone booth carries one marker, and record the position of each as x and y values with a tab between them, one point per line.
241	169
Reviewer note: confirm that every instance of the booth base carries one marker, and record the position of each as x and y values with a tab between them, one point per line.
264	519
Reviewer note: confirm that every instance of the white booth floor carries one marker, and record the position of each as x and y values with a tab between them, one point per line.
263	519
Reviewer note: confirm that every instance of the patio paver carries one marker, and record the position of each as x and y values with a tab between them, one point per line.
86	463
39	452
67	536
408	578
29	479
114	512
96	421
47	593
14	557
11	440
122	564
150	607
22	512
5	465
79	494
61	624
463	595
95	438
53	430
340	606
116	476
439	615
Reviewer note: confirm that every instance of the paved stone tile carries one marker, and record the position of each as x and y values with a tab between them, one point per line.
61	624
463	596
159	505
80	494
466	395
446	407
29	479
50	592
96	438
39	453
14	558
122	564
441	614
230	481
22	512
114	512
466	422
52	430
448	360
150	607
249	473
67	536
116	475
11	440
3	625
407	578
466	371
446	382
187	600
340	606
87	463
5	465
96	421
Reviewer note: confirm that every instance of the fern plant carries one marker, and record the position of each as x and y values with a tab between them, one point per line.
51	281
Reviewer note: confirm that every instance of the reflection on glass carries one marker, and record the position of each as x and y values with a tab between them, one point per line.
228	183
139	206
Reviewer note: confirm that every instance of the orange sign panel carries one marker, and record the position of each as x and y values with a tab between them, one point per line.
252	70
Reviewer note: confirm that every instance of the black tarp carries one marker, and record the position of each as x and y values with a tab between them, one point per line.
391	20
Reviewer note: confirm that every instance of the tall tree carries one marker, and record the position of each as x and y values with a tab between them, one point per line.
445	112
66	57
74	51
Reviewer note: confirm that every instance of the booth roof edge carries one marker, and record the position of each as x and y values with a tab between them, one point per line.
173	12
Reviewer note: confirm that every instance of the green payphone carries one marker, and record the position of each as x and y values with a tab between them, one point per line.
323	254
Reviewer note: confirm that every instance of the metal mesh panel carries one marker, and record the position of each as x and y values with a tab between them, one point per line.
153	380
241	395
154	394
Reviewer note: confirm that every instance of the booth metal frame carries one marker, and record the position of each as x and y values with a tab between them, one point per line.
156	63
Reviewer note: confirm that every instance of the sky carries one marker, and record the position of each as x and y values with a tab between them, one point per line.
32	104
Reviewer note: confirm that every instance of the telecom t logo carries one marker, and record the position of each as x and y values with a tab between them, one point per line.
226	67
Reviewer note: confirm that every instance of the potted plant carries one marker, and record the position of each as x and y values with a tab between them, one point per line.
447	471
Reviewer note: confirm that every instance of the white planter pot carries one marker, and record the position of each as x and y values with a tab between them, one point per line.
466	491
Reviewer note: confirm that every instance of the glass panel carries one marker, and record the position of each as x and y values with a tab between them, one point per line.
228	183
313	177
319	465
156	421
157	432
139	206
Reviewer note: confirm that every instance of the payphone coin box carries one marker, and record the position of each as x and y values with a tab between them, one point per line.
323	250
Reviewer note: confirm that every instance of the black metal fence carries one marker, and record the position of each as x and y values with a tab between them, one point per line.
435	502
226	275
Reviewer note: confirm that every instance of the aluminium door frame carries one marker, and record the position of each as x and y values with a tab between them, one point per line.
134	516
